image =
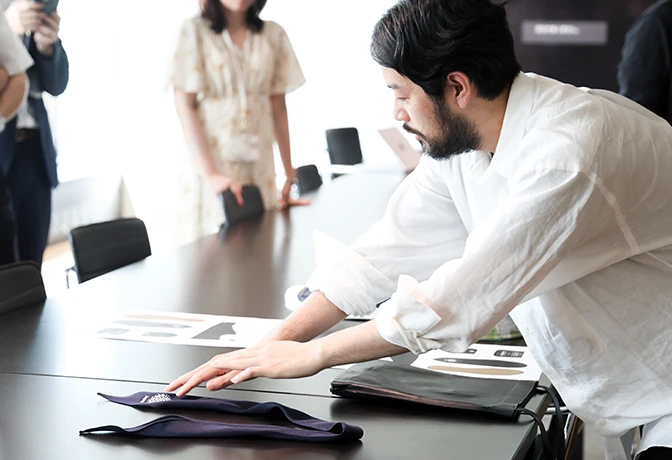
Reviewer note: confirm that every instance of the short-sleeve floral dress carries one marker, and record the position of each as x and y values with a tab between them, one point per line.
205	64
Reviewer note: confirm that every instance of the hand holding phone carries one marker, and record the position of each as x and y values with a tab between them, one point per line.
49	6
46	34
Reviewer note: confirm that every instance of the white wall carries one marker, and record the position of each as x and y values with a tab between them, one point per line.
118	113
344	85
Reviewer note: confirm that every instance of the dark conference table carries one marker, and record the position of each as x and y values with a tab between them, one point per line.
51	359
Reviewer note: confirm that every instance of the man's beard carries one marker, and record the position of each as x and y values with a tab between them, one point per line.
457	134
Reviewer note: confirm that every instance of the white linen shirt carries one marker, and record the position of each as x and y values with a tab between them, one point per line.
568	228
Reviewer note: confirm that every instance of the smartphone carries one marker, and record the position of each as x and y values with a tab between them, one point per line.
49	5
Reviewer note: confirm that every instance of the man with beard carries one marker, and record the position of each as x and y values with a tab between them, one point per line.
533	198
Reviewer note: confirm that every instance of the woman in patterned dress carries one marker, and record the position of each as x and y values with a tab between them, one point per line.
230	74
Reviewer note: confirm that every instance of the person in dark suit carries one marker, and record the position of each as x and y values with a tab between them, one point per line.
27	152
14	61
645	70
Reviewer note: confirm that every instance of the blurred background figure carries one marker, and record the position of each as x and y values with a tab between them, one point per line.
14	61
230	74
27	152
645	70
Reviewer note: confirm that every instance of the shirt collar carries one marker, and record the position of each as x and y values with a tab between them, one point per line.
518	109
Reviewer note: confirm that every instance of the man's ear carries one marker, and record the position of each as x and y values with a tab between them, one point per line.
459	88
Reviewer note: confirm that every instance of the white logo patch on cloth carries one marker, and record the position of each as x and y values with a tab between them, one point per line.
159	397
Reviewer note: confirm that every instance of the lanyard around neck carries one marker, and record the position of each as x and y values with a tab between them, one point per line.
238	74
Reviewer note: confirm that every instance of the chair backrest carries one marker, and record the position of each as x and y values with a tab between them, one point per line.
21	285
103	247
343	146
308	178
253	205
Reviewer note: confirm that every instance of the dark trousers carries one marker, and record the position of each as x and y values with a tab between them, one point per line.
31	198
9	251
656	453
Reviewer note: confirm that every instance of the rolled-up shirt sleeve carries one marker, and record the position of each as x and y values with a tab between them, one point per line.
421	230
549	212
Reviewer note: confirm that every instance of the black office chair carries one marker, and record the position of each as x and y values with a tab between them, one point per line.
253	205
308	179
21	285
103	247
343	146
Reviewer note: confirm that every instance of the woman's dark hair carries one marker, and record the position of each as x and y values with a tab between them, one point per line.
213	11
425	40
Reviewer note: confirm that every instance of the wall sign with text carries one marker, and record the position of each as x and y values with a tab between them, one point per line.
538	32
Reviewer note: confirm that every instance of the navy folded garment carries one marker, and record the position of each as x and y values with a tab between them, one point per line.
306	428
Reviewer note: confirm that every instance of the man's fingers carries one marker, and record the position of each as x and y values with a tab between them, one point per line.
32	23
178	382
47	32
235	364
248	374
221	382
197	379
237	360
51	23
184	378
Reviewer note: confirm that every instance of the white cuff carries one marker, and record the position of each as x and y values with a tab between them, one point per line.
404	320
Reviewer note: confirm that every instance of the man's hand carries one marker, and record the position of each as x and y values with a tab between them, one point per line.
47	34
24	16
273	359
216	378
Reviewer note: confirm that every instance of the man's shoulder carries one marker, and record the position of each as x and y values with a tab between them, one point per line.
557	102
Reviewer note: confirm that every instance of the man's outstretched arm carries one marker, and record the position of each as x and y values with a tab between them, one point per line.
286	359
315	316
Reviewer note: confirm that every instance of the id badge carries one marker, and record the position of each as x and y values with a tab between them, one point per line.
245	148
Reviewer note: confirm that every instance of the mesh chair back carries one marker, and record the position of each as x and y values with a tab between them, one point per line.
103	247
21	285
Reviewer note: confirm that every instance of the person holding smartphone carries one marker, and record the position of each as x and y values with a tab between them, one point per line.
645	70
27	152
14	61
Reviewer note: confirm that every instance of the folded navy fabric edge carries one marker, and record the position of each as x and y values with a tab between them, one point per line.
307	428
